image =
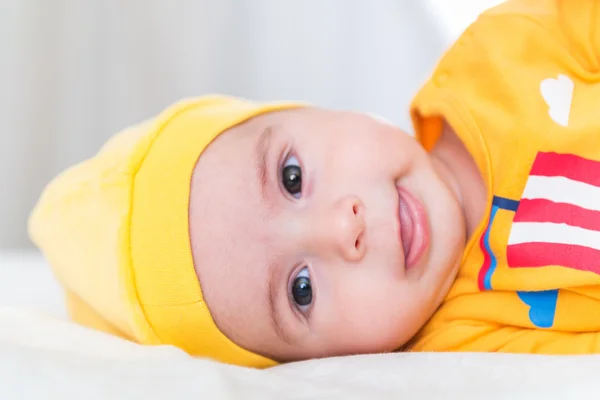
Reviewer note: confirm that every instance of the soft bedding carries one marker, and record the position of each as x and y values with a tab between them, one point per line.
42	355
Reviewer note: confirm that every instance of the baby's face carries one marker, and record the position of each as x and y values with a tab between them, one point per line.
320	233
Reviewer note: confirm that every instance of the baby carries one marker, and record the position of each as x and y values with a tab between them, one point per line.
257	233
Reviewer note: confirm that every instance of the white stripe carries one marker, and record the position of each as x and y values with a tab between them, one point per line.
547	232
563	190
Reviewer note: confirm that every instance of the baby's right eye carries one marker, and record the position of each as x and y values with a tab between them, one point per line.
302	290
291	177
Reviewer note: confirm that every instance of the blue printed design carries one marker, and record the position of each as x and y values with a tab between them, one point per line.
542	306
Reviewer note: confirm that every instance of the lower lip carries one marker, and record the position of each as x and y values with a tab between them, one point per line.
419	235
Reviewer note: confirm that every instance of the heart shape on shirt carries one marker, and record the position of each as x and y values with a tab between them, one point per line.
558	95
542	306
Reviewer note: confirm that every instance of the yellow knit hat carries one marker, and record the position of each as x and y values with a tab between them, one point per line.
114	228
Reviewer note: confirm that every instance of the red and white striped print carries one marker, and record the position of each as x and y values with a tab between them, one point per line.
557	221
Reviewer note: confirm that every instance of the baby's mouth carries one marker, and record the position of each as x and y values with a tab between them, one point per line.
414	229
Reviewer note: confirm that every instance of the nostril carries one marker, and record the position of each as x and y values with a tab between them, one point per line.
355	209
358	242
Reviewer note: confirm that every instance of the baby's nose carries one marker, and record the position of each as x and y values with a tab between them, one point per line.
343	229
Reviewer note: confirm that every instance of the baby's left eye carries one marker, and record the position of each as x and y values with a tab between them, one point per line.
302	290
291	177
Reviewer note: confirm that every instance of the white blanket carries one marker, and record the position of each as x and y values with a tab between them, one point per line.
43	356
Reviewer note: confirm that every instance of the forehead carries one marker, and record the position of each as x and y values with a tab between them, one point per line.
224	204
228	228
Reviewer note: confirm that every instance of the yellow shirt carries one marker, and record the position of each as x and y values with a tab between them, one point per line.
521	89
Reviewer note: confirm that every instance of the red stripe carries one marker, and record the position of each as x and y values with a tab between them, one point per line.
537	254
542	210
567	165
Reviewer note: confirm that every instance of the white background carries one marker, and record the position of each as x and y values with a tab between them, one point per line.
72	73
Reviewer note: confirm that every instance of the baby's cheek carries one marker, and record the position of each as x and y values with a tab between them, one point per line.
377	333
369	320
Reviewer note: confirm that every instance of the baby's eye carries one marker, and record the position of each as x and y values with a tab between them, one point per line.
291	177
302	290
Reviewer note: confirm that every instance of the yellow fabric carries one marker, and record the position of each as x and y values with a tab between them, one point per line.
115	231
520	88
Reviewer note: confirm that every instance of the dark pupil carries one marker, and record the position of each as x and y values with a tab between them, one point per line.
302	291
292	179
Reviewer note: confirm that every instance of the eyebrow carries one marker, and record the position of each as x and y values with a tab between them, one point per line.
263	144
273	290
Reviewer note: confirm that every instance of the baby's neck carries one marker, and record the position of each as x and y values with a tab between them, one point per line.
460	172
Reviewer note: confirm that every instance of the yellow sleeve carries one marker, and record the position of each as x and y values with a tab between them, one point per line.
579	22
574	23
479	336
482	83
